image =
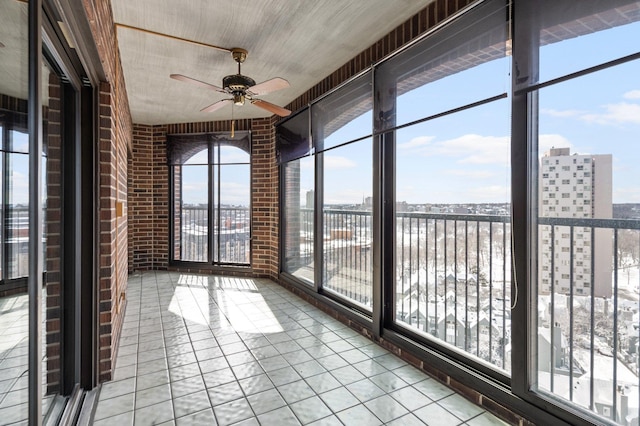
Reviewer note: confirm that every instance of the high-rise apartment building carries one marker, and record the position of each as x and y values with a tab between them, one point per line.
575	257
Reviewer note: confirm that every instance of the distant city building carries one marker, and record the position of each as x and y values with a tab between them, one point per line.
310	196
402	206
575	186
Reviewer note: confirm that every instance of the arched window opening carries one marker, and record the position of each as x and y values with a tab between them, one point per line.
210	177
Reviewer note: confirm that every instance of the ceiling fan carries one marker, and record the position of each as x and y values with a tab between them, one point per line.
242	88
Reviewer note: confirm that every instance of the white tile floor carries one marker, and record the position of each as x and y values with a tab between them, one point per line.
14	360
210	350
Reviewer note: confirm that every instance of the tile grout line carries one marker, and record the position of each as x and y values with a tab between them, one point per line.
289	311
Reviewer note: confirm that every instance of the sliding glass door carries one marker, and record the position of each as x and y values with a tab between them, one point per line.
14	218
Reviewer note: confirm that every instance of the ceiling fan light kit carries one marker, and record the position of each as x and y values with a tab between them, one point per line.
242	88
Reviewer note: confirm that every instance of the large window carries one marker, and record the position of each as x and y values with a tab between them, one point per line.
341	128
14	218
328	194
294	150
452	189
14	154
211	187
337	171
585	119
504	204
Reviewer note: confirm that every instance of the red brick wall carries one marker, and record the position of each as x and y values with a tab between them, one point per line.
140	199
115	139
424	20
264	189
265	184
149	194
149	227
148	199
53	216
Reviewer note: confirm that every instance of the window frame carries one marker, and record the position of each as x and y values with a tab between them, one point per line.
516	391
176	158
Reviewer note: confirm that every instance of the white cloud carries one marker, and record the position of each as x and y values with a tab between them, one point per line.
20	187
417	142
609	114
546	142
632	94
234	193
562	114
333	162
471	174
476	149
346	196
307	163
464	194
626	195
466	149
201	157
487	194
623	112
233	155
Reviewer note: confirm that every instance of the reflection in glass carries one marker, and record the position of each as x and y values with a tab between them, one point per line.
299	219
464	62
234	219
17	215
14	301
589	33
194	201
343	116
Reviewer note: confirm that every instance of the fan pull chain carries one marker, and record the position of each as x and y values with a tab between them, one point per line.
233	123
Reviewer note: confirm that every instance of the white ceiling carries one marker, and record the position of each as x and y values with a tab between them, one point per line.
13	49
302	41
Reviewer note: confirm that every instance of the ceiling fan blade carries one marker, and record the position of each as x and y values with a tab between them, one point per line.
275	109
186	79
269	86
216	106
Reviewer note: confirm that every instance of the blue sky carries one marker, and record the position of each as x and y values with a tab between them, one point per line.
465	157
234	178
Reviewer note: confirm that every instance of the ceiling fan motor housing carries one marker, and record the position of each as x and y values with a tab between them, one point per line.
237	82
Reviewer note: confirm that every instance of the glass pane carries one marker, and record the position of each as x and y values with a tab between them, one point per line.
194	234
590	32
344	115
453	234
235	218
14	225
18	141
199	157
299	219
292	137
233	155
3	208
348	178
588	237
17	217
465	62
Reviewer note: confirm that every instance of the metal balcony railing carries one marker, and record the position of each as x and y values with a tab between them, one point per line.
230	243
453	280
588	313
15	247
347	268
